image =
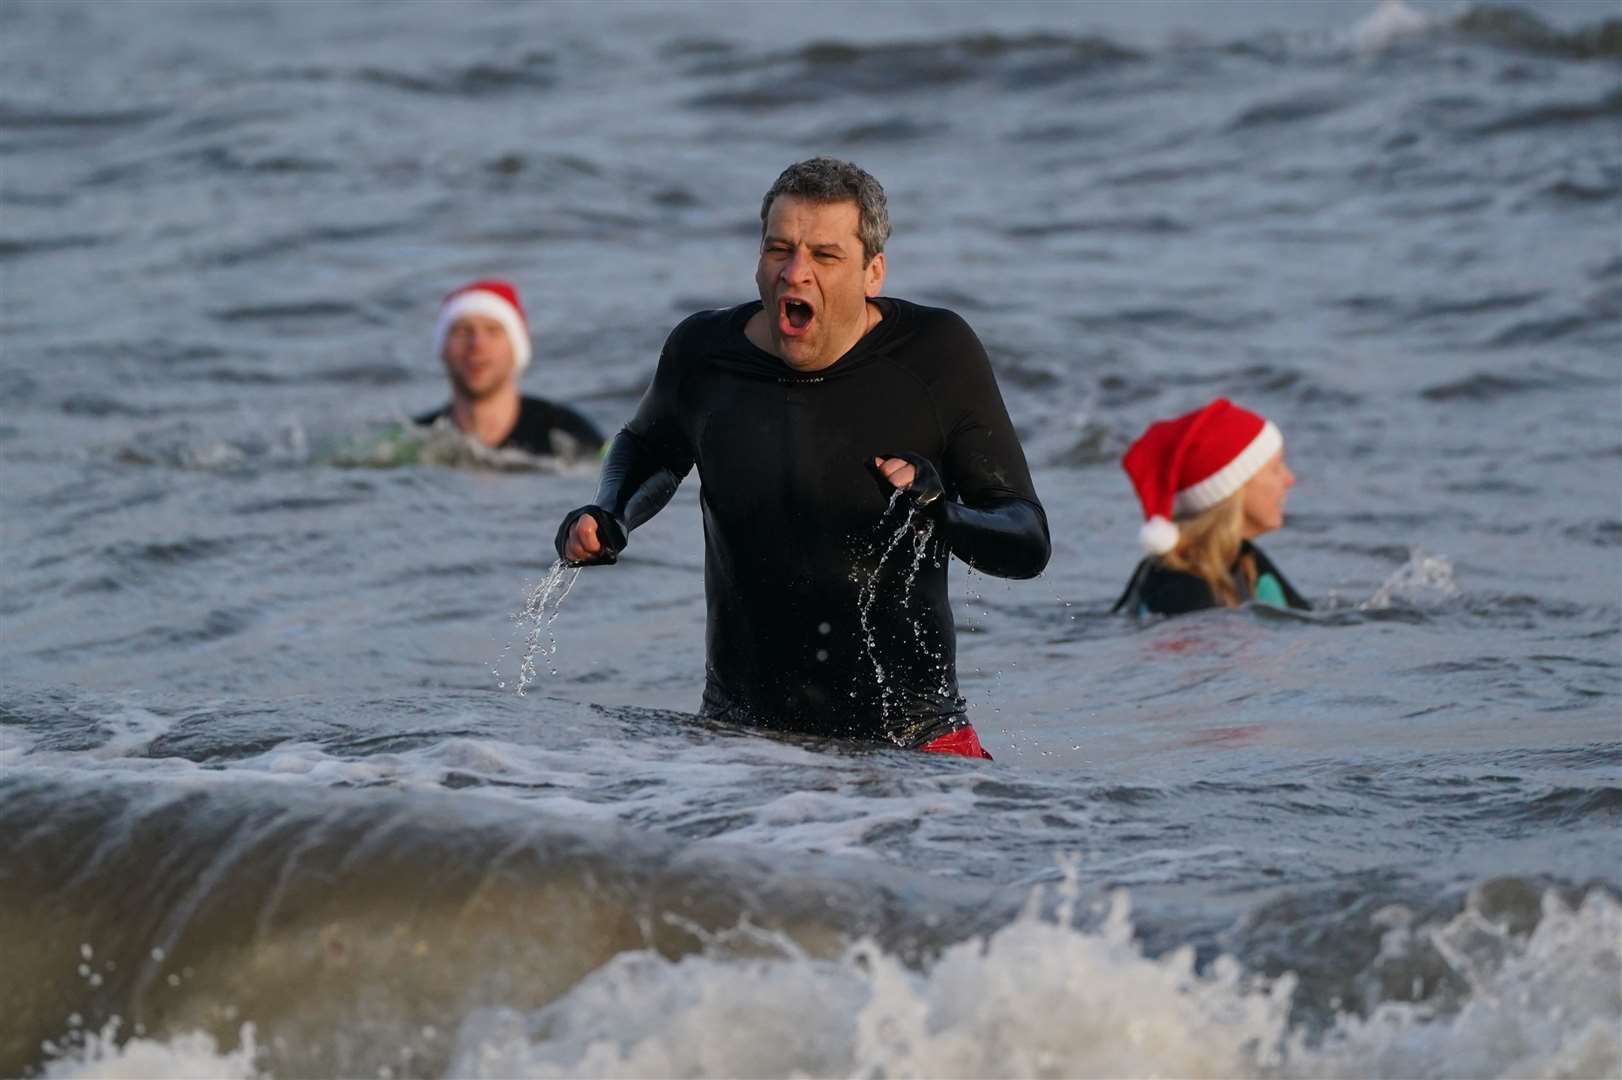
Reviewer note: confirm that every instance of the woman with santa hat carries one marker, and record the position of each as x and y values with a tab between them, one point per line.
1210	482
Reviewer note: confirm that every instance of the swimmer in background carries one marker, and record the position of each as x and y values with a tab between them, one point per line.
482	338
1210	482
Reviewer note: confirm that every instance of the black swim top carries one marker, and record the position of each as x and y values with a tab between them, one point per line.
544	428
824	614
1156	589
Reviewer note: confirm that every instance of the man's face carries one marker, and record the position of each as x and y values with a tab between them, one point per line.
478	356
812	281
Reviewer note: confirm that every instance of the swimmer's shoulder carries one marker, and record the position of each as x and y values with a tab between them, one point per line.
1164	591
932	325
935	342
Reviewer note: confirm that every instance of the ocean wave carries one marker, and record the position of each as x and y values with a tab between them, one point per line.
1487	386
1520	30
1142	225
1559	114
270	247
1095	443
1604	533
15	116
291	310
1288	110
20	247
1574	806
838	67
882	131
532	71
373	911
1521	981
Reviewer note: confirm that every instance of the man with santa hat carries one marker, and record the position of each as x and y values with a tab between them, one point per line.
482	338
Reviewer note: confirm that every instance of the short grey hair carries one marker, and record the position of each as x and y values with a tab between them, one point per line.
829	180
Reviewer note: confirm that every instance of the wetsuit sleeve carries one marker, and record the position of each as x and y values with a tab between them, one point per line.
651	455
994	523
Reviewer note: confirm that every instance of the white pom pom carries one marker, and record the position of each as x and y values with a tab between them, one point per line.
1158	535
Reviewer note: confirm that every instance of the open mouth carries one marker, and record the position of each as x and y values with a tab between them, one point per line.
795	315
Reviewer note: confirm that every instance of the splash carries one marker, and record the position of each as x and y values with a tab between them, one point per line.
539	620
193	1056
1547	1004
408	444
1390	23
919	531
1422	581
868	594
1040	998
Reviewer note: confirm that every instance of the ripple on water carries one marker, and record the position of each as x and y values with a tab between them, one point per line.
1512	27
531	72
22	247
1486	386
840	68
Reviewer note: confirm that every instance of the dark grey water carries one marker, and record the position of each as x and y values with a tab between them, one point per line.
270	800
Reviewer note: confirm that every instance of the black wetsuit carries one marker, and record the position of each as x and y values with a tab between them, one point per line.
797	524
1156	589
544	428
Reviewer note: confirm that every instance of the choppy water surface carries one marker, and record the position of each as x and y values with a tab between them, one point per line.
271	800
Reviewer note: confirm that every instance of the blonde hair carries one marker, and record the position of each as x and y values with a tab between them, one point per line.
1207	545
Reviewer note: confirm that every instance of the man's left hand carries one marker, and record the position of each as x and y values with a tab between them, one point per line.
913	473
898	471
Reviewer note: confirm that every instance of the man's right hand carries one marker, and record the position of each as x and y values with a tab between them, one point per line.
589	536
582	545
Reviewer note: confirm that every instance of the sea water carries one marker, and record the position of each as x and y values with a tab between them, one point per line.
267	808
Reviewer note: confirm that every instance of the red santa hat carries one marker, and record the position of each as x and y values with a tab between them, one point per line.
493	299
1185	466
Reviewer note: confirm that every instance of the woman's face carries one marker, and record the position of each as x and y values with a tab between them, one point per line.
1264	497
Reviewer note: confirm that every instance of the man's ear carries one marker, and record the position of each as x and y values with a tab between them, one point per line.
875	275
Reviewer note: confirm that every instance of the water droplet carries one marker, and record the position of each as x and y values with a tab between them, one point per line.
540	622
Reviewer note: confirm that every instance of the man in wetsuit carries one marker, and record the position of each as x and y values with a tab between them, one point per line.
483	340
846	443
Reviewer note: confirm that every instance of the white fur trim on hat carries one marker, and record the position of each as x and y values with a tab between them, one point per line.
1232	476
491	306
1158	535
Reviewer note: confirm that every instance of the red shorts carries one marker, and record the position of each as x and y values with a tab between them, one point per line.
963	741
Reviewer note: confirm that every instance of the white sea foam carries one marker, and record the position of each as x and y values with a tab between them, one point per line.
133	729
1391	22
1037	998
1040	999
193	1056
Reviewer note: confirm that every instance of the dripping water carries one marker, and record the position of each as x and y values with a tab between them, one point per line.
538	619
